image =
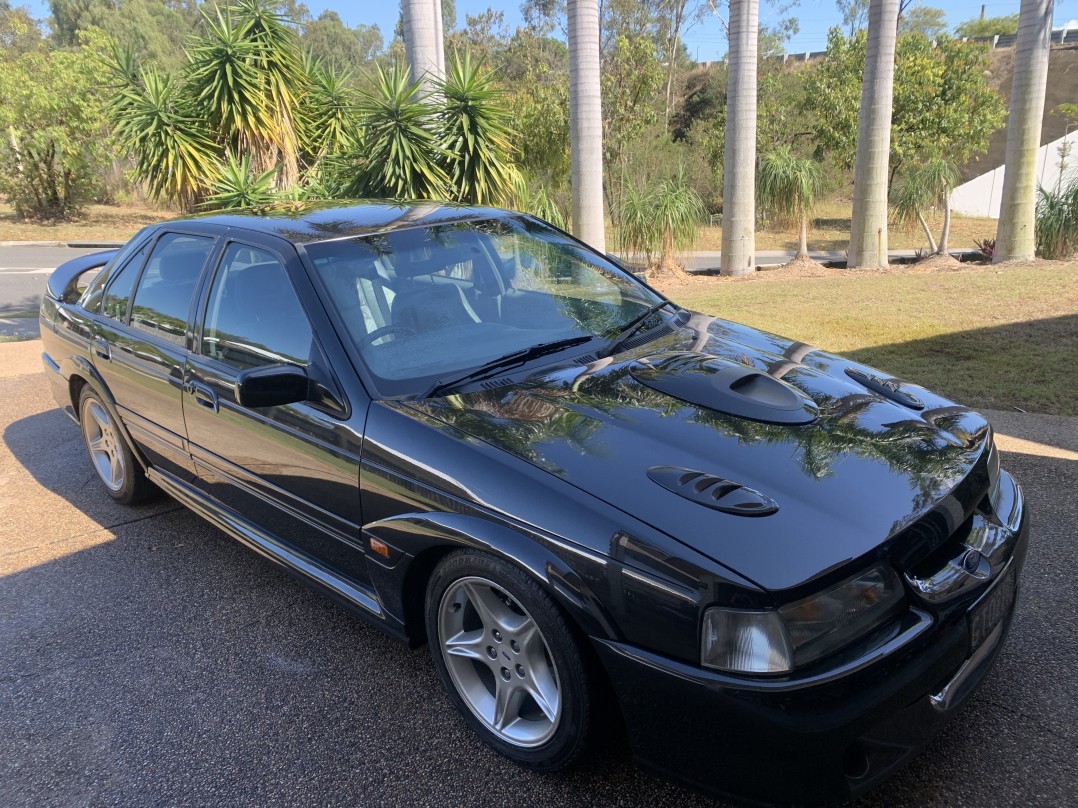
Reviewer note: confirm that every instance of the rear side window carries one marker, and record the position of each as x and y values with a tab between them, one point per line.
164	292
119	288
254	316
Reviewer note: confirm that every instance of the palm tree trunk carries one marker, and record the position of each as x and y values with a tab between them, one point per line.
586	123
803	240
946	224
928	232
868	235
423	40
739	150
1015	238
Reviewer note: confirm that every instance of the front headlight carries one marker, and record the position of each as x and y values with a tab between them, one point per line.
742	641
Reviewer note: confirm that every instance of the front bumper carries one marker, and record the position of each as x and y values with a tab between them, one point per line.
819	739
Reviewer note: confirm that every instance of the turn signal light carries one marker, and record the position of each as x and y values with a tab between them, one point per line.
380	547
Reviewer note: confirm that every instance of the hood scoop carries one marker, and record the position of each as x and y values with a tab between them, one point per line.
713	492
725	386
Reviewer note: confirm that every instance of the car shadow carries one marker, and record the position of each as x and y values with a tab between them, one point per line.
1028	365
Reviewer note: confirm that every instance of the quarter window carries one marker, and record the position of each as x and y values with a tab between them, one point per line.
164	292
119	289
254	316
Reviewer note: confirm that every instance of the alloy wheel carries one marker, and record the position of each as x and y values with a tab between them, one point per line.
499	662
106	452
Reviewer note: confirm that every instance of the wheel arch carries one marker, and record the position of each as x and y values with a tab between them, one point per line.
81	374
422	540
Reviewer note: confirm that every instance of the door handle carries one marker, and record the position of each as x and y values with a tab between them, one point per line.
102	350
204	396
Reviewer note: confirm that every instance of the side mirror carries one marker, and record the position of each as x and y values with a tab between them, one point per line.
271	386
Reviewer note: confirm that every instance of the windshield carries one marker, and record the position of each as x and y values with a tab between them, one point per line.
425	303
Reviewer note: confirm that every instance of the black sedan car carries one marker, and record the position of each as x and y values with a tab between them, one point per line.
782	569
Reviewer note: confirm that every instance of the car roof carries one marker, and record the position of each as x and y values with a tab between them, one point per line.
306	222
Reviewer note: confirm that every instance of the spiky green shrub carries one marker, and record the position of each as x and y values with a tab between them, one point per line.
234	185
401	158
475	134
662	220
1057	220
925	185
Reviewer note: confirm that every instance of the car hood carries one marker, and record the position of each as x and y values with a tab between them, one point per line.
823	463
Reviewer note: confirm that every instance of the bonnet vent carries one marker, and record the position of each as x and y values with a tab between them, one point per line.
713	492
893	389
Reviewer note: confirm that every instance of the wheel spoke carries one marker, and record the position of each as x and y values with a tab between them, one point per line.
96	445
467	644
544	690
491	610
100	417
507	699
116	469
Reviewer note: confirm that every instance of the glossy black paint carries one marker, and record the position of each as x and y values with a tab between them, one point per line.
553	467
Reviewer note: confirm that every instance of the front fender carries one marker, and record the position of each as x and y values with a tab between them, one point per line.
417	541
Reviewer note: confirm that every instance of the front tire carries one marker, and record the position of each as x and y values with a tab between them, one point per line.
110	457
509	661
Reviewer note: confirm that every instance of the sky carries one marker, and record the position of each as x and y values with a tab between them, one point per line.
706	41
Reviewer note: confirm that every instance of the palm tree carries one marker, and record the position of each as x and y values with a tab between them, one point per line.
476	135
423	40
1015	235
789	186
926	185
739	149
586	123
868	236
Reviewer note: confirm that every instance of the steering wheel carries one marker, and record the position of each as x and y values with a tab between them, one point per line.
385	331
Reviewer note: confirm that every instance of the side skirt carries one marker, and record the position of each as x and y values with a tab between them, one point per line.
360	599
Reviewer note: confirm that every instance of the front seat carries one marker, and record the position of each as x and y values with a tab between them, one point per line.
432	307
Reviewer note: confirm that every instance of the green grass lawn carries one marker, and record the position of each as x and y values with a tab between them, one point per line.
990	337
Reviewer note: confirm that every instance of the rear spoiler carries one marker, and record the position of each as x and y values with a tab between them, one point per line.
63	281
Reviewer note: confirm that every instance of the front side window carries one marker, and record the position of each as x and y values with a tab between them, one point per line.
426	302
164	292
254	316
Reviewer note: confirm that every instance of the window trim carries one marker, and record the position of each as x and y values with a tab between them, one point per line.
204	303
214	240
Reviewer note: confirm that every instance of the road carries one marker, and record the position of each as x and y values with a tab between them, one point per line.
147	659
23	271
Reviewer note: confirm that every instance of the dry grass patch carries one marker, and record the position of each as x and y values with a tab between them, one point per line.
998	337
97	223
830	230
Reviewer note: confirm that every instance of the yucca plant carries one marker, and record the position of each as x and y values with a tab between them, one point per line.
328	123
1057	221
400	158
235	185
789	185
475	134
926	185
158	123
223	80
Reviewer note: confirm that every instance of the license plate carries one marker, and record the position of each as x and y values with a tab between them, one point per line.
993	608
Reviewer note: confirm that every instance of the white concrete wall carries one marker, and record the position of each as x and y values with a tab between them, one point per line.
981	195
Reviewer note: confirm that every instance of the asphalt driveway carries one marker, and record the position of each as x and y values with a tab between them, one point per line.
145	658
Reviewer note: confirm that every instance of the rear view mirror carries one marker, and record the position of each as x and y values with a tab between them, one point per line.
271	386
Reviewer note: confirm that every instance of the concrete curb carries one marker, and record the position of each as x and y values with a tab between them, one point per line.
79	245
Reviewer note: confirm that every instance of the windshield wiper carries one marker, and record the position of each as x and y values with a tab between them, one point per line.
502	362
631	327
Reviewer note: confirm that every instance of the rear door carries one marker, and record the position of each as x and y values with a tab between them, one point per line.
141	342
293	470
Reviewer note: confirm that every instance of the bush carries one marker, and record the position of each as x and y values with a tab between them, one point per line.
53	124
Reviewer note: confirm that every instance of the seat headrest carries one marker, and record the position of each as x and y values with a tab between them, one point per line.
180	266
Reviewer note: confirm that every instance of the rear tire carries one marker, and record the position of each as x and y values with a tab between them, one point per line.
110	457
509	661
